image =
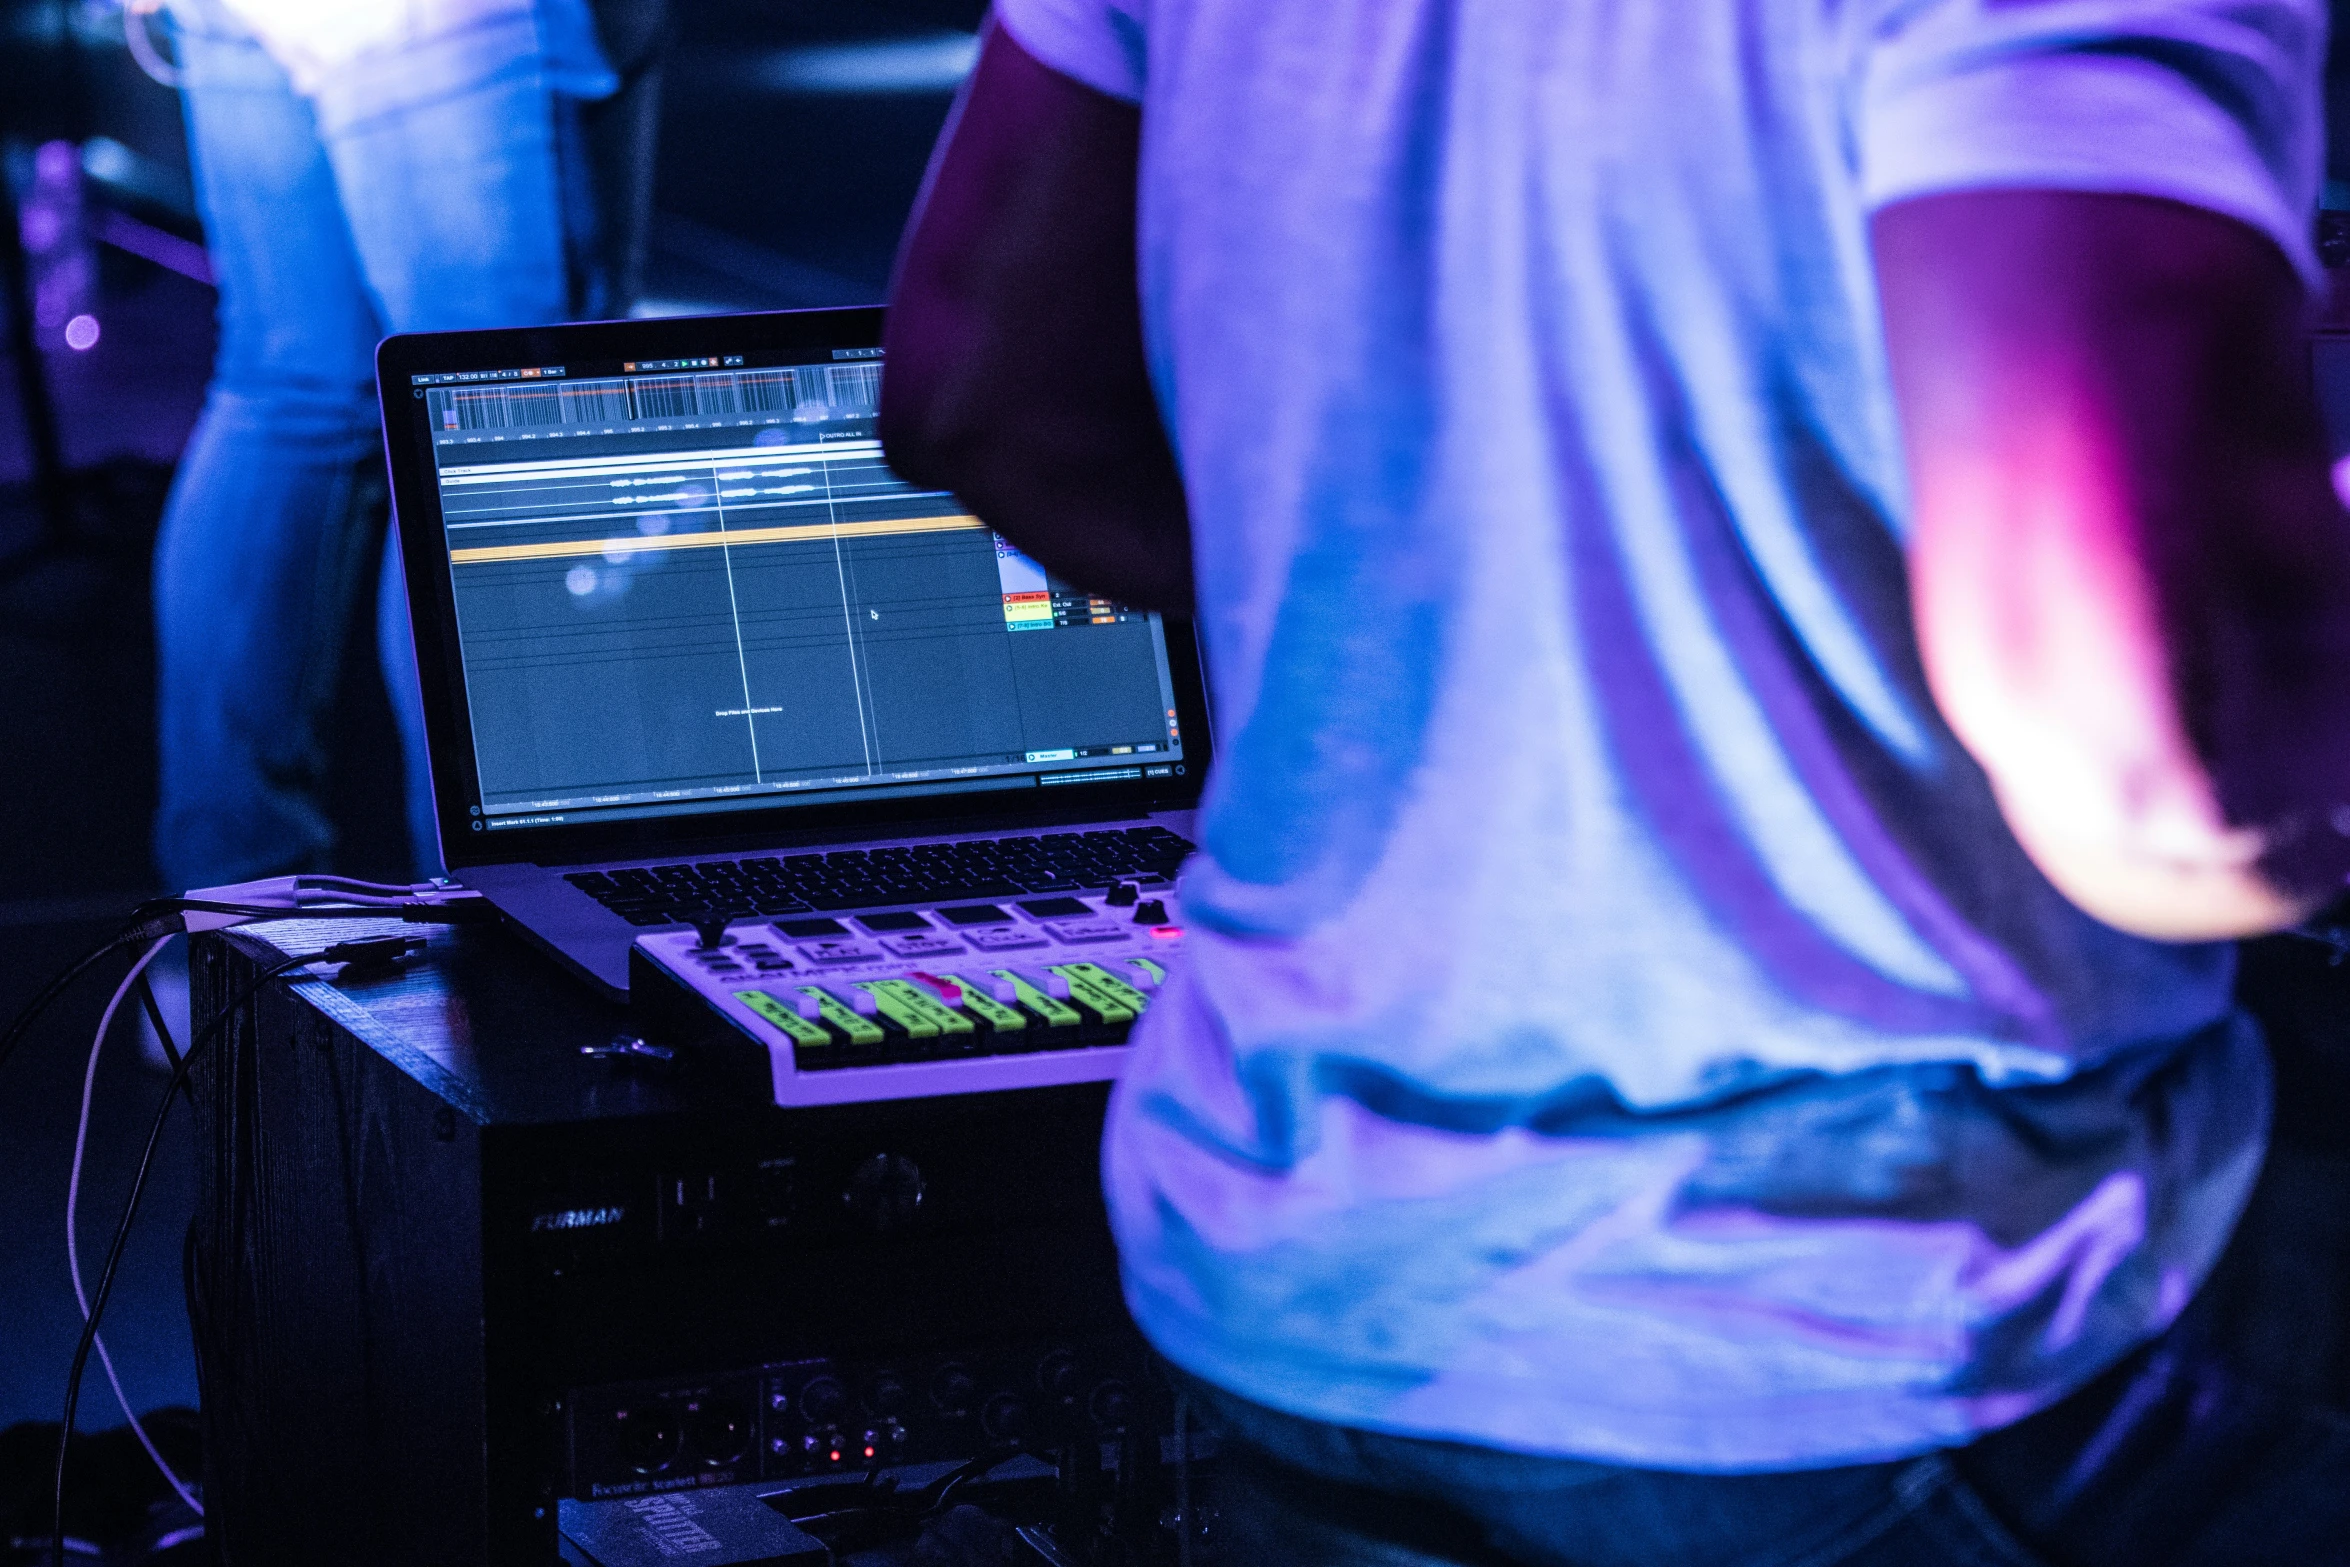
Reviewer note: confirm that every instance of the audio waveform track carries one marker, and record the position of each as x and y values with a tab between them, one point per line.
806	392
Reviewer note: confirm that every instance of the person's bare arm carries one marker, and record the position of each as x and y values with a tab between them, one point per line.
1016	373
2130	573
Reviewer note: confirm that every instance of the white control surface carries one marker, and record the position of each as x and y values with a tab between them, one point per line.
899	1004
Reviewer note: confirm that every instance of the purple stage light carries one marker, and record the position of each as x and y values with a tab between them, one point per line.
81	333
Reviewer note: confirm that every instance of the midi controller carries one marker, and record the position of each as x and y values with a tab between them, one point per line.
910	1003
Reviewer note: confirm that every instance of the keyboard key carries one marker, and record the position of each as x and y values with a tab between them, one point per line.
993	886
851	898
976	914
777	887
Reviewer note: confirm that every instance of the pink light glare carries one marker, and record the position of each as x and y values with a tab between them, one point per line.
2044	641
81	333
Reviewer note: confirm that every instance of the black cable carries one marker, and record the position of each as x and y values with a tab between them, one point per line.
171	1053
373	949
1182	1481
151	920
40	1003
881	1500
114	1249
159	917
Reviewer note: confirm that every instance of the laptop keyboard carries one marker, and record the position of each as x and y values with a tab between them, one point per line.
872	878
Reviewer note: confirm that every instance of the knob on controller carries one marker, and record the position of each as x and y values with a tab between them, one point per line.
952	1390
1056	1376
885	1192
1111	1406
887	1395
1005	1419
823	1401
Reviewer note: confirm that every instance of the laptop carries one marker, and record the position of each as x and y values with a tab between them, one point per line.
689	649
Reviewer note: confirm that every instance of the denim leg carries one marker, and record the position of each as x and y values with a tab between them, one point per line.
1934	1519
2184	1456
447	161
464	214
450	169
1267	1515
1293	1493
261	552
1291	1489
419	190
2225	1443
396	652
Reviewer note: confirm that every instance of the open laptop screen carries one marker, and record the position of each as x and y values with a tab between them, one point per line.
685	586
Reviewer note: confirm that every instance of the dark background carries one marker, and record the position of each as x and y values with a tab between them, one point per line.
793	136
794	133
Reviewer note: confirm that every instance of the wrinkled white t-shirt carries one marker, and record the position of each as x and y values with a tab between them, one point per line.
1617	1021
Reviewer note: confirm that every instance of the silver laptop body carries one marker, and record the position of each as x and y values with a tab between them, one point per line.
689	649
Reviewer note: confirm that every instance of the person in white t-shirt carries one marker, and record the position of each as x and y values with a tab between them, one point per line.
1773	604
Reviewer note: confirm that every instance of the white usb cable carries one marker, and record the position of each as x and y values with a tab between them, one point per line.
239	904
73	1193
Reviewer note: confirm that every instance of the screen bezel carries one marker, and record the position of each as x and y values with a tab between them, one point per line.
423	544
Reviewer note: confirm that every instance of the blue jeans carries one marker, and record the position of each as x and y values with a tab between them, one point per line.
424	189
2226	1441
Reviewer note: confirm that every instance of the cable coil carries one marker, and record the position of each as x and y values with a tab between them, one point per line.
150	927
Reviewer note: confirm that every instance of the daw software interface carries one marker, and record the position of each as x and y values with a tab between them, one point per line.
684	585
